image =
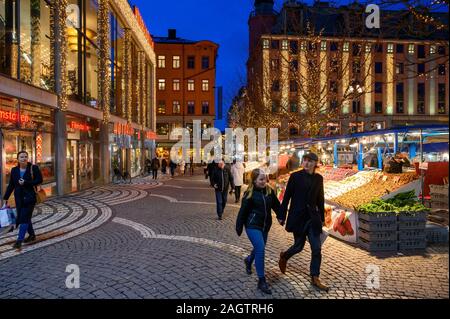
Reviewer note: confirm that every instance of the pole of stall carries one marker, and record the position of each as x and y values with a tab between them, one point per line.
422	185
360	157
380	158
395	143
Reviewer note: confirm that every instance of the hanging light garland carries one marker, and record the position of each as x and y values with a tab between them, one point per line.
104	75
127	72
143	90
137	88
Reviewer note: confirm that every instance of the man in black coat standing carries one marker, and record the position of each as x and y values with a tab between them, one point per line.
306	215
221	181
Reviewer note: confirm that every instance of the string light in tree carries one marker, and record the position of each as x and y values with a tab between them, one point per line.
104	76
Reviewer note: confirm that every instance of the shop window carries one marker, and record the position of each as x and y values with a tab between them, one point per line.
162	128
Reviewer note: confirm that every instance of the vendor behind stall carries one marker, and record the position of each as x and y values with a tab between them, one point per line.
397	162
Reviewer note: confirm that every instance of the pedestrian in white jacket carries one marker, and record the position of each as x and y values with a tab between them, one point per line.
238	170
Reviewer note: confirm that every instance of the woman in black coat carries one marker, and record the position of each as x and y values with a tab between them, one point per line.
255	214
24	179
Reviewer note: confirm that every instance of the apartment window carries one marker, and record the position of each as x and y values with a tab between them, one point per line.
294	47
378	67
161	84
441	98
390	48
333	87
293	131
441	50
356	49
191	107
161	107
334	46
294	65
275	107
162	128
333	105
420	98
293	107
399	98
191	85
368	48
356	106
346	46
399	68
275	44
379	47
432	49
421	68
176	62
284	44
276	86
176	85
334	65
275	64
421	51
191	62
205	62
356	67
411	49
293	86
205	85
400	48
205	107
266	44
441	69
176	109
303	46
323	45
161	61
378	87
378	107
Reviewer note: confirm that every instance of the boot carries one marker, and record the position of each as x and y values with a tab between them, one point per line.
263	286
282	263
30	239
248	266
17	245
316	283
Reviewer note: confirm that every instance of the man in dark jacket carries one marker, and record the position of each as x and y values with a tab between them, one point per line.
221	181
155	167
306	215
211	167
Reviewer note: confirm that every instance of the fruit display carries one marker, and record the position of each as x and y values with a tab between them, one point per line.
403	202
335	174
379	186
333	189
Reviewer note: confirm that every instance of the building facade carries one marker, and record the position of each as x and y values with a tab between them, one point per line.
77	90
185	85
398	78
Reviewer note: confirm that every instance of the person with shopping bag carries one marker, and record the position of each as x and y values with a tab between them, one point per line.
255	214
238	170
23	181
306	216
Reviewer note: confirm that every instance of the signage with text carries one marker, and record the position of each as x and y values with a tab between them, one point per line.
123	129
79	126
143	27
14	117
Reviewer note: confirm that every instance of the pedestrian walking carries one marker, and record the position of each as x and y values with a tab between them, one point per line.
306	216
182	167
24	179
155	167
255	215
148	165
237	170
164	166
172	166
191	167
222	180
211	167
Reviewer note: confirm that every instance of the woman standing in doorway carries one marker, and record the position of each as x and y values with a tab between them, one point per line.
24	179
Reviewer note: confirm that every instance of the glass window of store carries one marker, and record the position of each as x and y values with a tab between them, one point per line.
27	127
83	153
135	152
26	57
82	54
117	81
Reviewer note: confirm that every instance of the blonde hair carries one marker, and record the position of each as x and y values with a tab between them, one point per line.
254	175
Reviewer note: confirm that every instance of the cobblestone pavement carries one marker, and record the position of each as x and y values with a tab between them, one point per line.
163	240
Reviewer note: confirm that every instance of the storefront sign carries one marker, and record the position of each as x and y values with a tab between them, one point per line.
143	26
79	126
14	116
150	135
123	129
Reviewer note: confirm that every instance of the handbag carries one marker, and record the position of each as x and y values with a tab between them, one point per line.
40	194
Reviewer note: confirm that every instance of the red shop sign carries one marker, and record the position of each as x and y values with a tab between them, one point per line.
14	116
79	126
123	129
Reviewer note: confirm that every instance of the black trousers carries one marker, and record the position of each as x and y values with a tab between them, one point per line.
237	193
155	173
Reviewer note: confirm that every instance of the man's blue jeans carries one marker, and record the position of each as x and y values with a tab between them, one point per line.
221	201
258	240
316	252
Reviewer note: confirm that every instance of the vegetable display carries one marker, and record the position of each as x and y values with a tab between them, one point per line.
403	202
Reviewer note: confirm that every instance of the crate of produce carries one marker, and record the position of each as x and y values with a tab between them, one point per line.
439	189
436	233
409	234
378	217
411	224
373	246
412	216
377	235
381	225
412	244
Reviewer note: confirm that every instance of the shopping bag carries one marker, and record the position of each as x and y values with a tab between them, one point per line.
323	236
7	217
41	196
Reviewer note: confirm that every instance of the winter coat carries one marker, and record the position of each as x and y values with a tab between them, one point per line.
238	170
155	163
255	212
222	178
24	210
305	192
